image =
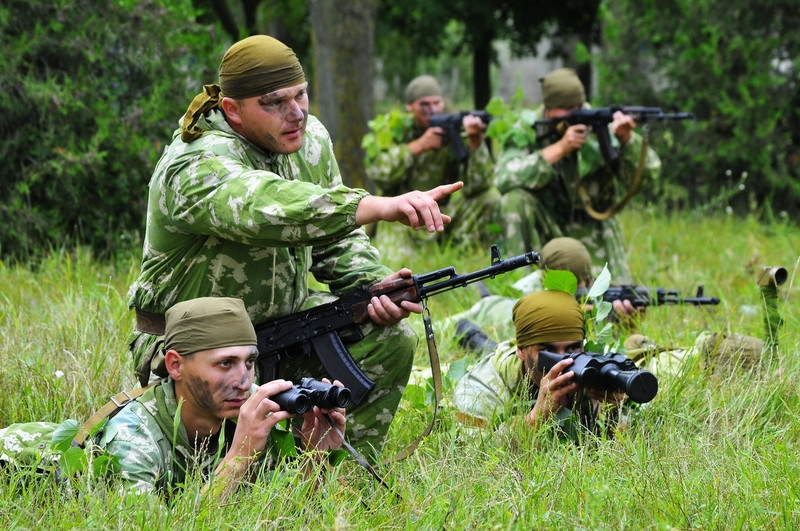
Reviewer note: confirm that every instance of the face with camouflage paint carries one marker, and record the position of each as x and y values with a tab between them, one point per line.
424	108
275	121
213	385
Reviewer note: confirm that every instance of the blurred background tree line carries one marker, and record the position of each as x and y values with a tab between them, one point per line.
91	90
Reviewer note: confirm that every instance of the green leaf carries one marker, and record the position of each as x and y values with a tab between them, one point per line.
415	395
73	460
64	435
496	106
105	464
336	457
457	369
528	116
561	280
603	309
601	284
283	442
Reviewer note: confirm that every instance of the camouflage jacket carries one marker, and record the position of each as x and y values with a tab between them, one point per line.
153	451
226	218
152	445
555	185
496	388
394	170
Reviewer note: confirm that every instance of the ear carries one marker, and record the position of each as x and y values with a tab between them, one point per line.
409	108
231	109
174	363
529	353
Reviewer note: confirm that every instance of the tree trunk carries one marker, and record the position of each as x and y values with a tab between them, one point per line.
481	71
343	49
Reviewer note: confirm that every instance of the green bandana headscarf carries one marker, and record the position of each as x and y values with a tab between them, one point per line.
251	67
200	324
562	89
547	316
421	87
207	323
567	254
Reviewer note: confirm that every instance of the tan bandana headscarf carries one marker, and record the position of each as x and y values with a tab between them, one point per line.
207	323
547	316
421	87
251	67
567	254
198	324
562	89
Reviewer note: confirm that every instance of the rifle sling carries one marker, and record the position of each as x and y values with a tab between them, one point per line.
436	370
117	402
602	216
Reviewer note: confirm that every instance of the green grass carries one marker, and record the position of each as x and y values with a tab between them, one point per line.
710	452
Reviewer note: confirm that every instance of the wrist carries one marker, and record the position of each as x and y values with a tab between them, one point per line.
416	146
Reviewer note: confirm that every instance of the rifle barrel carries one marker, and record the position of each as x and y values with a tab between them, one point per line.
457	281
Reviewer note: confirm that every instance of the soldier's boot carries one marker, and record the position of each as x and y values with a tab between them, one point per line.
472	338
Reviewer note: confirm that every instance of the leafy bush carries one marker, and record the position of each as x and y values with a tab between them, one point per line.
735	65
90	93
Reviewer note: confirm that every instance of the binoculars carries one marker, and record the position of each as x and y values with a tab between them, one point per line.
606	372
309	393
772	276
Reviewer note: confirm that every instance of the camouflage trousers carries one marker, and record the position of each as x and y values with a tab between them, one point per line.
385	355
527	224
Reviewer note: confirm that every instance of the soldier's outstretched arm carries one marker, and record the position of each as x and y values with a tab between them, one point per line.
416	209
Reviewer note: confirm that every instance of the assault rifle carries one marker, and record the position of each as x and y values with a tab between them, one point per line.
598	120
606	372
325	329
451	123
643	296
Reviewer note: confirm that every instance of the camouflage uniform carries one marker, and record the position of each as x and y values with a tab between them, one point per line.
26	445
154	455
396	171
540	200
496	388
492	313
226	218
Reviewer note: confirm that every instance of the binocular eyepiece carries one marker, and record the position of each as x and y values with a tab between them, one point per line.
611	372
309	393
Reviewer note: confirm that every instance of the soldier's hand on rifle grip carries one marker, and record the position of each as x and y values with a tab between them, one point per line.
475	129
432	138
574	137
385	312
622	127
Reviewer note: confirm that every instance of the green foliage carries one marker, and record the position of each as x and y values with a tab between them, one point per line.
736	66
76	460
599	330
512	123
420	36
711	451
561	281
385	130
90	94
